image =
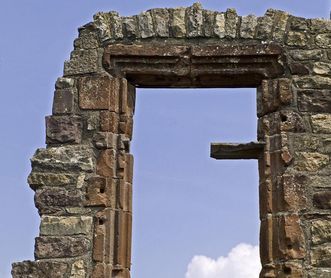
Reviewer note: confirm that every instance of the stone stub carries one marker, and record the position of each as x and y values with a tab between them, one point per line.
83	179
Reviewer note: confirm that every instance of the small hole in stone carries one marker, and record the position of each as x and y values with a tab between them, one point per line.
102	190
287	270
283	118
289	246
101	221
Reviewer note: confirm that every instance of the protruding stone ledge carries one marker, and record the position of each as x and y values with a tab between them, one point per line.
251	150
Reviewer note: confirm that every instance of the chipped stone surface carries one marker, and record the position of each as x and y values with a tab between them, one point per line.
145	23
177	22
321	231
39	269
220	25
321	123
311	161
65	225
248	26
82	61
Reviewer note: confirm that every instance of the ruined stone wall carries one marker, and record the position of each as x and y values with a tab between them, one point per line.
83	178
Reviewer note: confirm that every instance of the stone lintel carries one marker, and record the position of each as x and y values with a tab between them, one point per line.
251	150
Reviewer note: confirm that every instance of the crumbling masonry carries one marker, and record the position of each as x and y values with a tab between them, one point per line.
83	179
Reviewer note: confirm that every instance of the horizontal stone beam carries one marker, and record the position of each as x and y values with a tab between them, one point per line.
251	150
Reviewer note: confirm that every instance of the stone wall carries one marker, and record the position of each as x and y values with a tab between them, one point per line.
83	178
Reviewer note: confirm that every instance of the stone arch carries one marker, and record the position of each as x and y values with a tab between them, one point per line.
83	179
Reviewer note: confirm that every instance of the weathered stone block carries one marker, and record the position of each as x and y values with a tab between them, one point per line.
63	101
63	129
194	15
320	231
78	270
219	28
304	55
161	19
145	25
115	25
208	23
322	68
298	69
248	26
264	27
61	247
310	161
87	39
320	273
177	23
231	22
298	23
109	121
285	91
322	199
106	140
280	24
290	238
295	38
99	92
314	100
82	61
40	269
323	40
313	82
130	26
101	192
64	83
68	158
39	179
106	164
321	256
321	123
65	225
48	197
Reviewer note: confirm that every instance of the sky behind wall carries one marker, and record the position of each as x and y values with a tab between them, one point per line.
186	204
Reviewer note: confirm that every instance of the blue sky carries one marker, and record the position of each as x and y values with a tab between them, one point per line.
186	204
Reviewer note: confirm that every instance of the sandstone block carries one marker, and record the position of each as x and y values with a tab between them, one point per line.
322	68
39	179
208	23
295	38
314	100
106	163
87	39
78	270
321	123
109	121
64	83
82	61
63	101
65	225
68	158
63	129
194	15
130	26
61	247
321	256
58	197
298	23
248	26
219	28
99	92
321	231
177	23
313	82
102	192
323	40
106	140
280	24
145	25
322	200
298	69
303	55
37	269
310	161
161	19
231	22
264	26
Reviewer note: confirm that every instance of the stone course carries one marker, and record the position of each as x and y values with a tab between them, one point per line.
83	178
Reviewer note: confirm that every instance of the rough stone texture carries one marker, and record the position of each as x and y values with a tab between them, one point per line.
63	129
39	269
321	123
64	225
83	179
61	247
